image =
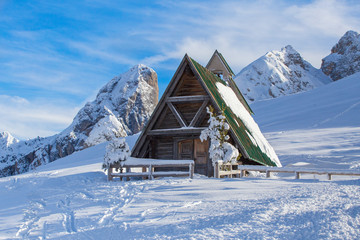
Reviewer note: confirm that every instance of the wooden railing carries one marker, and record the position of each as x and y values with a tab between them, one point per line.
148	169
226	169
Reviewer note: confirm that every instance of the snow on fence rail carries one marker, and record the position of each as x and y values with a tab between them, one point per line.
148	167
241	170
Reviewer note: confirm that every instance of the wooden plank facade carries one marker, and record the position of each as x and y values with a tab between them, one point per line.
174	128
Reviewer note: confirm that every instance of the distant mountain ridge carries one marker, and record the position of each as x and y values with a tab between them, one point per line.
344	59
122	107
278	73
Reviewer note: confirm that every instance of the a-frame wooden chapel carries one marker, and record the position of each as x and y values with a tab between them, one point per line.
173	130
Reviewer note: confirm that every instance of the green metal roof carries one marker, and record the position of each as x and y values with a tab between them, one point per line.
231	82
236	124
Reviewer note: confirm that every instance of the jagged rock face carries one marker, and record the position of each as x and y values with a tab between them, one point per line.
122	107
278	73
132	100
344	59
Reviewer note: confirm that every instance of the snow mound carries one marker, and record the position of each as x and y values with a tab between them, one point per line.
106	129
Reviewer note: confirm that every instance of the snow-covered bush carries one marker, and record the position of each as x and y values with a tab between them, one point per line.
106	129
117	152
217	133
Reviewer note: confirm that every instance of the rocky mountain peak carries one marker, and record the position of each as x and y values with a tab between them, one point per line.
278	73
344	59
122	107
347	43
6	140
292	57
289	50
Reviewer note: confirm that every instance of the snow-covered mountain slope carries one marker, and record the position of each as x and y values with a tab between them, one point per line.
333	105
344	59
278	73
122	107
320	128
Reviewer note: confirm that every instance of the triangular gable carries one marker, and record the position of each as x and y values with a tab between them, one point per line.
218	62
186	122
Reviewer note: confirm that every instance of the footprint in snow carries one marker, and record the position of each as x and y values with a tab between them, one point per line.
31	217
68	215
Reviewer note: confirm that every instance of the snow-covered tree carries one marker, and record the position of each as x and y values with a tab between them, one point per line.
217	132
117	152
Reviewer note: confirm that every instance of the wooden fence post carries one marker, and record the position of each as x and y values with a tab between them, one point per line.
121	171
110	177
151	169
191	170
128	170
297	175
217	170
267	173
143	170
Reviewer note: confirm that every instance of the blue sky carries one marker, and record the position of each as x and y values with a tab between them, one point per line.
55	55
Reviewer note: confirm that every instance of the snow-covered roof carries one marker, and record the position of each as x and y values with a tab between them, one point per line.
246	131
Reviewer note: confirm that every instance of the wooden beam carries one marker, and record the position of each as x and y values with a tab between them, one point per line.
178	117
198	113
144	148
154	116
175	131
197	98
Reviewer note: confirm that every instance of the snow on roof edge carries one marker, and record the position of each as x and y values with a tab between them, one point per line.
239	110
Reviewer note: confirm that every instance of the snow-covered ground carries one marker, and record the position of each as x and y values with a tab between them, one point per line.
71	198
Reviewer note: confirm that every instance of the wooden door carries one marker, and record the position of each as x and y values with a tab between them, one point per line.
201	152
186	149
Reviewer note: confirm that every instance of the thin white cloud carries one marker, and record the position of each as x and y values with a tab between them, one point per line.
244	30
329	17
105	53
29	119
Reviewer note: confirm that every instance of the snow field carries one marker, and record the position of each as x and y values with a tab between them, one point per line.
45	205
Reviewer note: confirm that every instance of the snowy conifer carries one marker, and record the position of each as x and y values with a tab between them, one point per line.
217	133
117	152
